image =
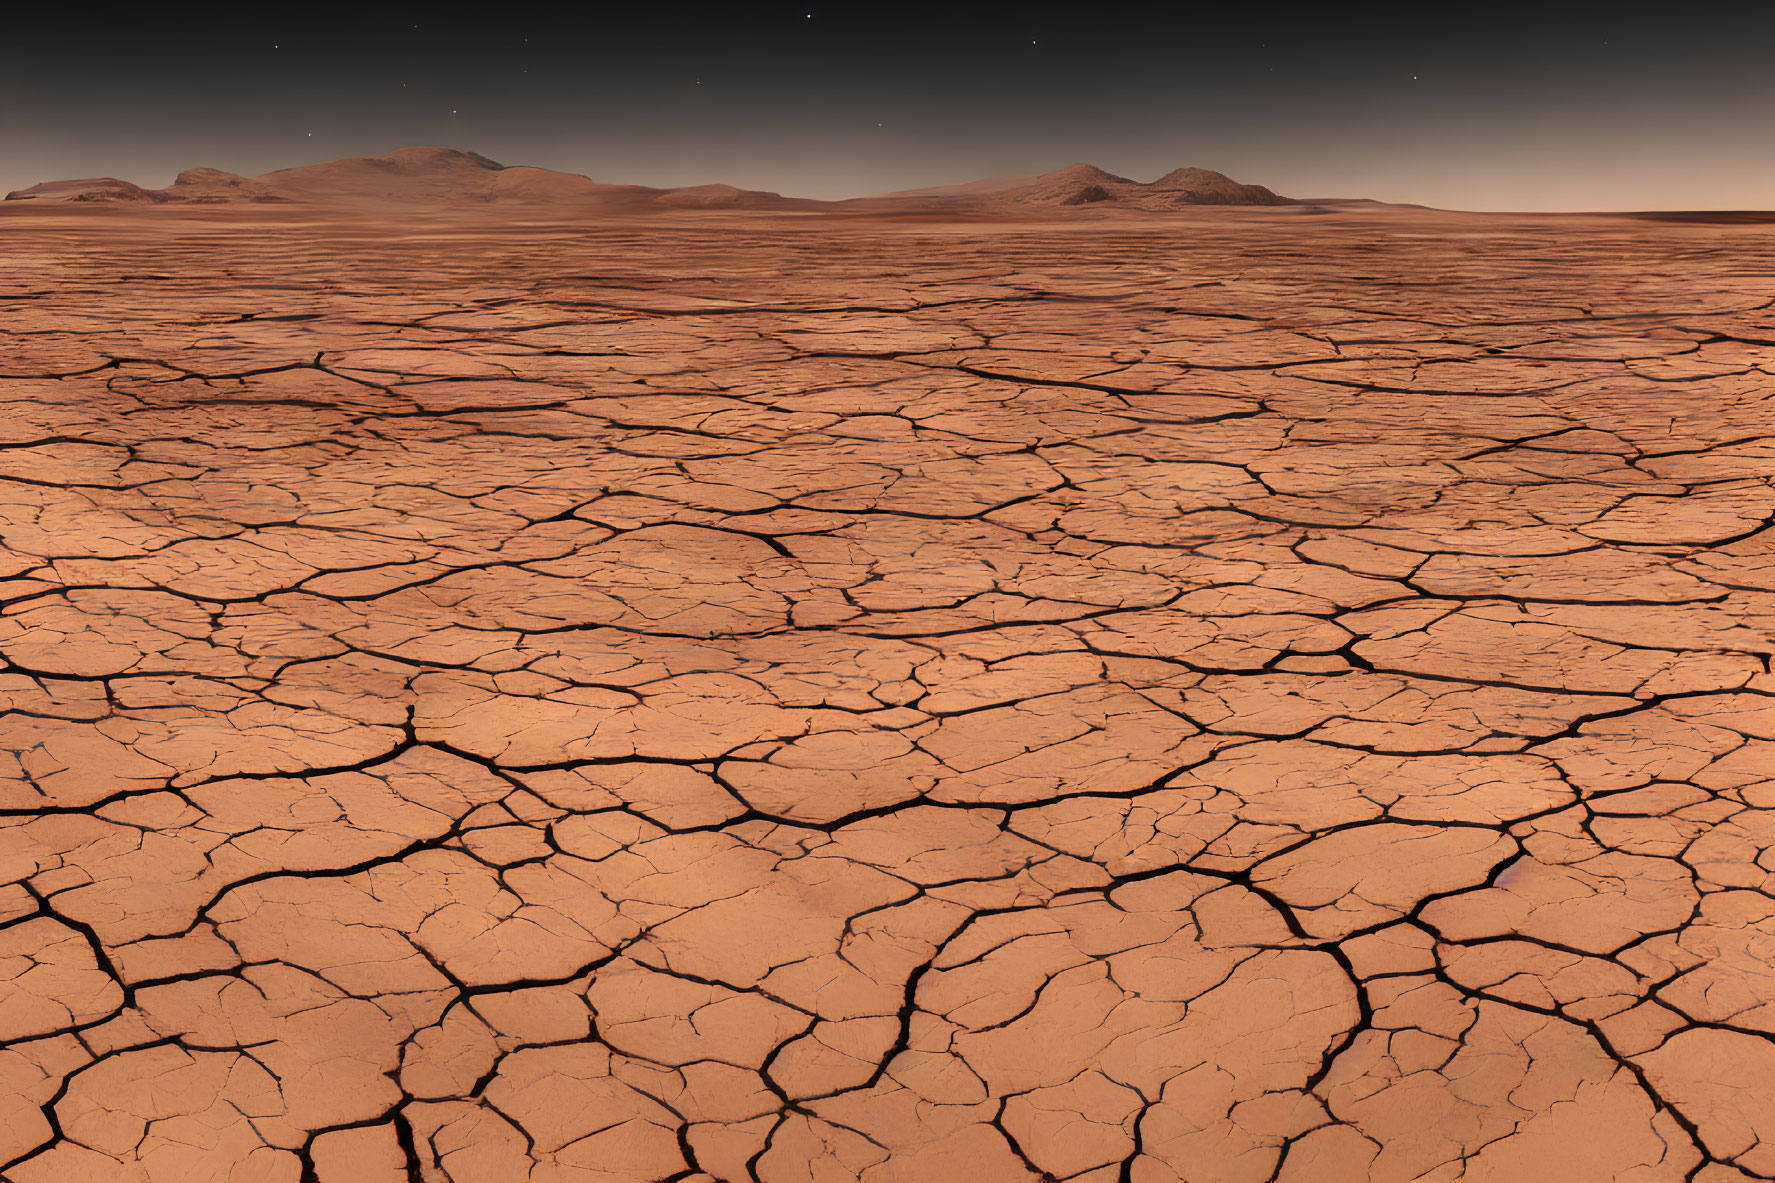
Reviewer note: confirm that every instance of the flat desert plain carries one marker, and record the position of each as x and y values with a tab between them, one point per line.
1230	695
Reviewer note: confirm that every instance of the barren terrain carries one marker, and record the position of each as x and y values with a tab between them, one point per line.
1226	696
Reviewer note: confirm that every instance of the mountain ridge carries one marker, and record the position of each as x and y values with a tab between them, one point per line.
1086	184
432	176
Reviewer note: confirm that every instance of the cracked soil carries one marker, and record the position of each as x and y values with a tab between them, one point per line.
1234	696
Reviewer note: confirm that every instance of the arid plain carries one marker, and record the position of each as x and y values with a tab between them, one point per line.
1221	695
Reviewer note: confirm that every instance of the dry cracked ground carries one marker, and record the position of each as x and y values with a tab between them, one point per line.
1232	697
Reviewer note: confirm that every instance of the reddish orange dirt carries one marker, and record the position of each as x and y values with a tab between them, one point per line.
1228	696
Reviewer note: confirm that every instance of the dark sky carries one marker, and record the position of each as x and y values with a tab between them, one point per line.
1477	106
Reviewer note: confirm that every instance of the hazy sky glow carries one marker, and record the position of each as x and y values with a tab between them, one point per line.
1483	107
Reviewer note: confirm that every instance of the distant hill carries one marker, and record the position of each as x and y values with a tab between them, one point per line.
85	189
434	178
409	177
1086	184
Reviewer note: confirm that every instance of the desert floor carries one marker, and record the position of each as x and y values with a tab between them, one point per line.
1234	696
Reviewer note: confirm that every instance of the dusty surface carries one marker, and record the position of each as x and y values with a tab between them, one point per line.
1243	697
